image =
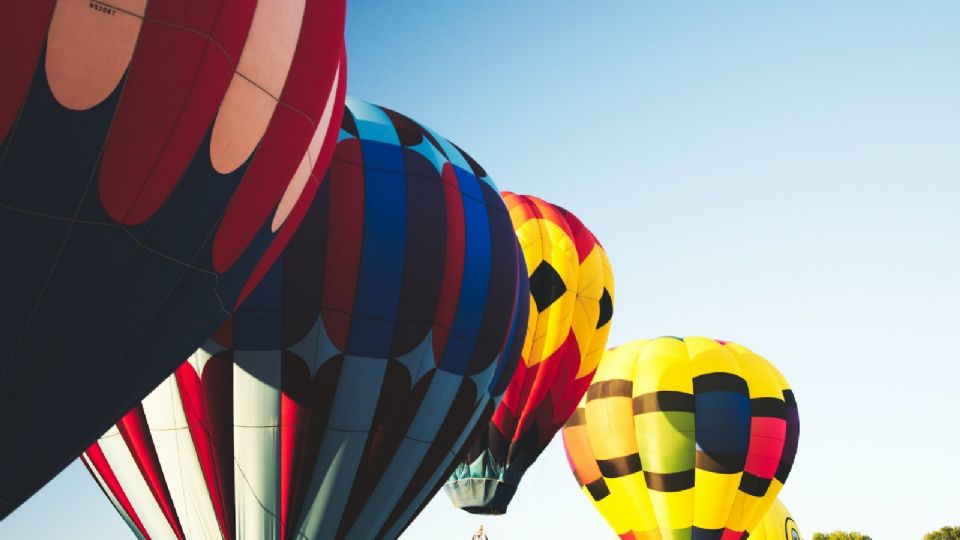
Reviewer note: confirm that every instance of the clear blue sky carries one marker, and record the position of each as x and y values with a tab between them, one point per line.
784	175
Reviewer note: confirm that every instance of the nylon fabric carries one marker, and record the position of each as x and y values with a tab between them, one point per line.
682	438
139	225
568	321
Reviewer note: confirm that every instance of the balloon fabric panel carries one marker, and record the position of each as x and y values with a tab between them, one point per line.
683	438
155	158
571	305
333	402
777	524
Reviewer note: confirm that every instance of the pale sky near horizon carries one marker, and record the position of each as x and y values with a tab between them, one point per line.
781	174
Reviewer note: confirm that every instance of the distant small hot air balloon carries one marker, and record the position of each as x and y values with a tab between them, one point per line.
679	437
155	157
571	304
334	401
777	524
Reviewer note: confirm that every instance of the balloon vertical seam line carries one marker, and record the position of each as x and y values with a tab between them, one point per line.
53	267
174	390
363	216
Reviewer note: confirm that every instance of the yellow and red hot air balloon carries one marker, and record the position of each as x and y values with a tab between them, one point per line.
777	524
683	438
571	305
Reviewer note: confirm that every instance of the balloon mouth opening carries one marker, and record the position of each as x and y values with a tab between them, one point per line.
480	496
484	511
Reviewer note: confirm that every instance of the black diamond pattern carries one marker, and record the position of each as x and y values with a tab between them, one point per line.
546	286
606	308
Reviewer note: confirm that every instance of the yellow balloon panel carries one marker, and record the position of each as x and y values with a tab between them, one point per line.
549	252
776	524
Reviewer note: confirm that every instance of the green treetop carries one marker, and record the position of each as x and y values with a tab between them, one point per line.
840	535
946	533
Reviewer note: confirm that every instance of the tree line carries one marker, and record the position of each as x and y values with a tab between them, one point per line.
945	533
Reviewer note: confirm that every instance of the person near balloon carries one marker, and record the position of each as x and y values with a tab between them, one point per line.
479	535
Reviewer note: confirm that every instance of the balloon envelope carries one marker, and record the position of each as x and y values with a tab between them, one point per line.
333	402
777	524
680	438
154	159
571	305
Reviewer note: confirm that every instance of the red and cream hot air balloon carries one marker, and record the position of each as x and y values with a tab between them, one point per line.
155	158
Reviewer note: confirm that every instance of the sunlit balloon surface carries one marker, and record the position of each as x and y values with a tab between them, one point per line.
777	524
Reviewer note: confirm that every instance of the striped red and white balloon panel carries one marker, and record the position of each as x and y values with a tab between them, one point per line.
155	158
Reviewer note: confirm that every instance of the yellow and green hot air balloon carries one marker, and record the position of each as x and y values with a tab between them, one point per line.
683	438
777	524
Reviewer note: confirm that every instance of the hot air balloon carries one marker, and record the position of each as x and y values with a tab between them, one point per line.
683	438
155	158
571	304
333	402
777	524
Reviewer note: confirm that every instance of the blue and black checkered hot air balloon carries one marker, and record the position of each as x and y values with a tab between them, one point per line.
335	402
